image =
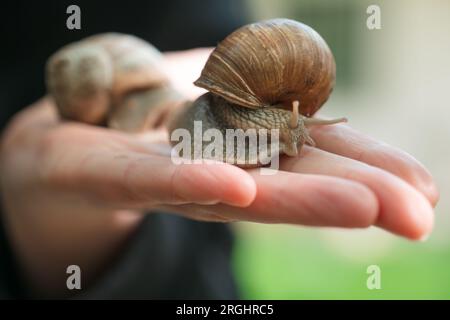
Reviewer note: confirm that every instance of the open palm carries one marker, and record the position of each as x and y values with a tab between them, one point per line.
348	180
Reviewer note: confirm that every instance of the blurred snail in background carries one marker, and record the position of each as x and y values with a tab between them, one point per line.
110	79
273	74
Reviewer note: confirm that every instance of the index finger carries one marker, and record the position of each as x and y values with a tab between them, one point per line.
345	141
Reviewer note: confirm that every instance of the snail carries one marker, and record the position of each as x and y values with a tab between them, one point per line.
273	74
110	79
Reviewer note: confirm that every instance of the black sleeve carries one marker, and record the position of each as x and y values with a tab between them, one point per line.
10	284
168	257
171	258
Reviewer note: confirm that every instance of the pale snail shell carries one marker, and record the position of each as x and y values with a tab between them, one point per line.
109	79
256	75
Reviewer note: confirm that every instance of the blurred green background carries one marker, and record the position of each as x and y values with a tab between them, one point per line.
393	84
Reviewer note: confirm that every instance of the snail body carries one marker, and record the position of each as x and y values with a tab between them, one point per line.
268	75
217	113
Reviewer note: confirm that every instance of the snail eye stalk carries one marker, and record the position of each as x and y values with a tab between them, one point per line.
294	118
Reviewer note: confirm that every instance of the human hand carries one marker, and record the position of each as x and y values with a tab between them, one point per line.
66	185
349	180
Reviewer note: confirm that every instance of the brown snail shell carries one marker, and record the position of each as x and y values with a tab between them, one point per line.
272	74
90	81
271	62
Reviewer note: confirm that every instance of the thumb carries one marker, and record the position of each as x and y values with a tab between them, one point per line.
140	180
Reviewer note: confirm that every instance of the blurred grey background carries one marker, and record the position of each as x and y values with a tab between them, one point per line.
392	84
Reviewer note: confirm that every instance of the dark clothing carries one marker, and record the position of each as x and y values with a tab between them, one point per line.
169	256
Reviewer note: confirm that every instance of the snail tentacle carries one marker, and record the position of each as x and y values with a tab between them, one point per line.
295	116
319	121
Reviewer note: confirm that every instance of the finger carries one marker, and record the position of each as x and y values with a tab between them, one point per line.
157	180
347	142
403	210
298	199
124	177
